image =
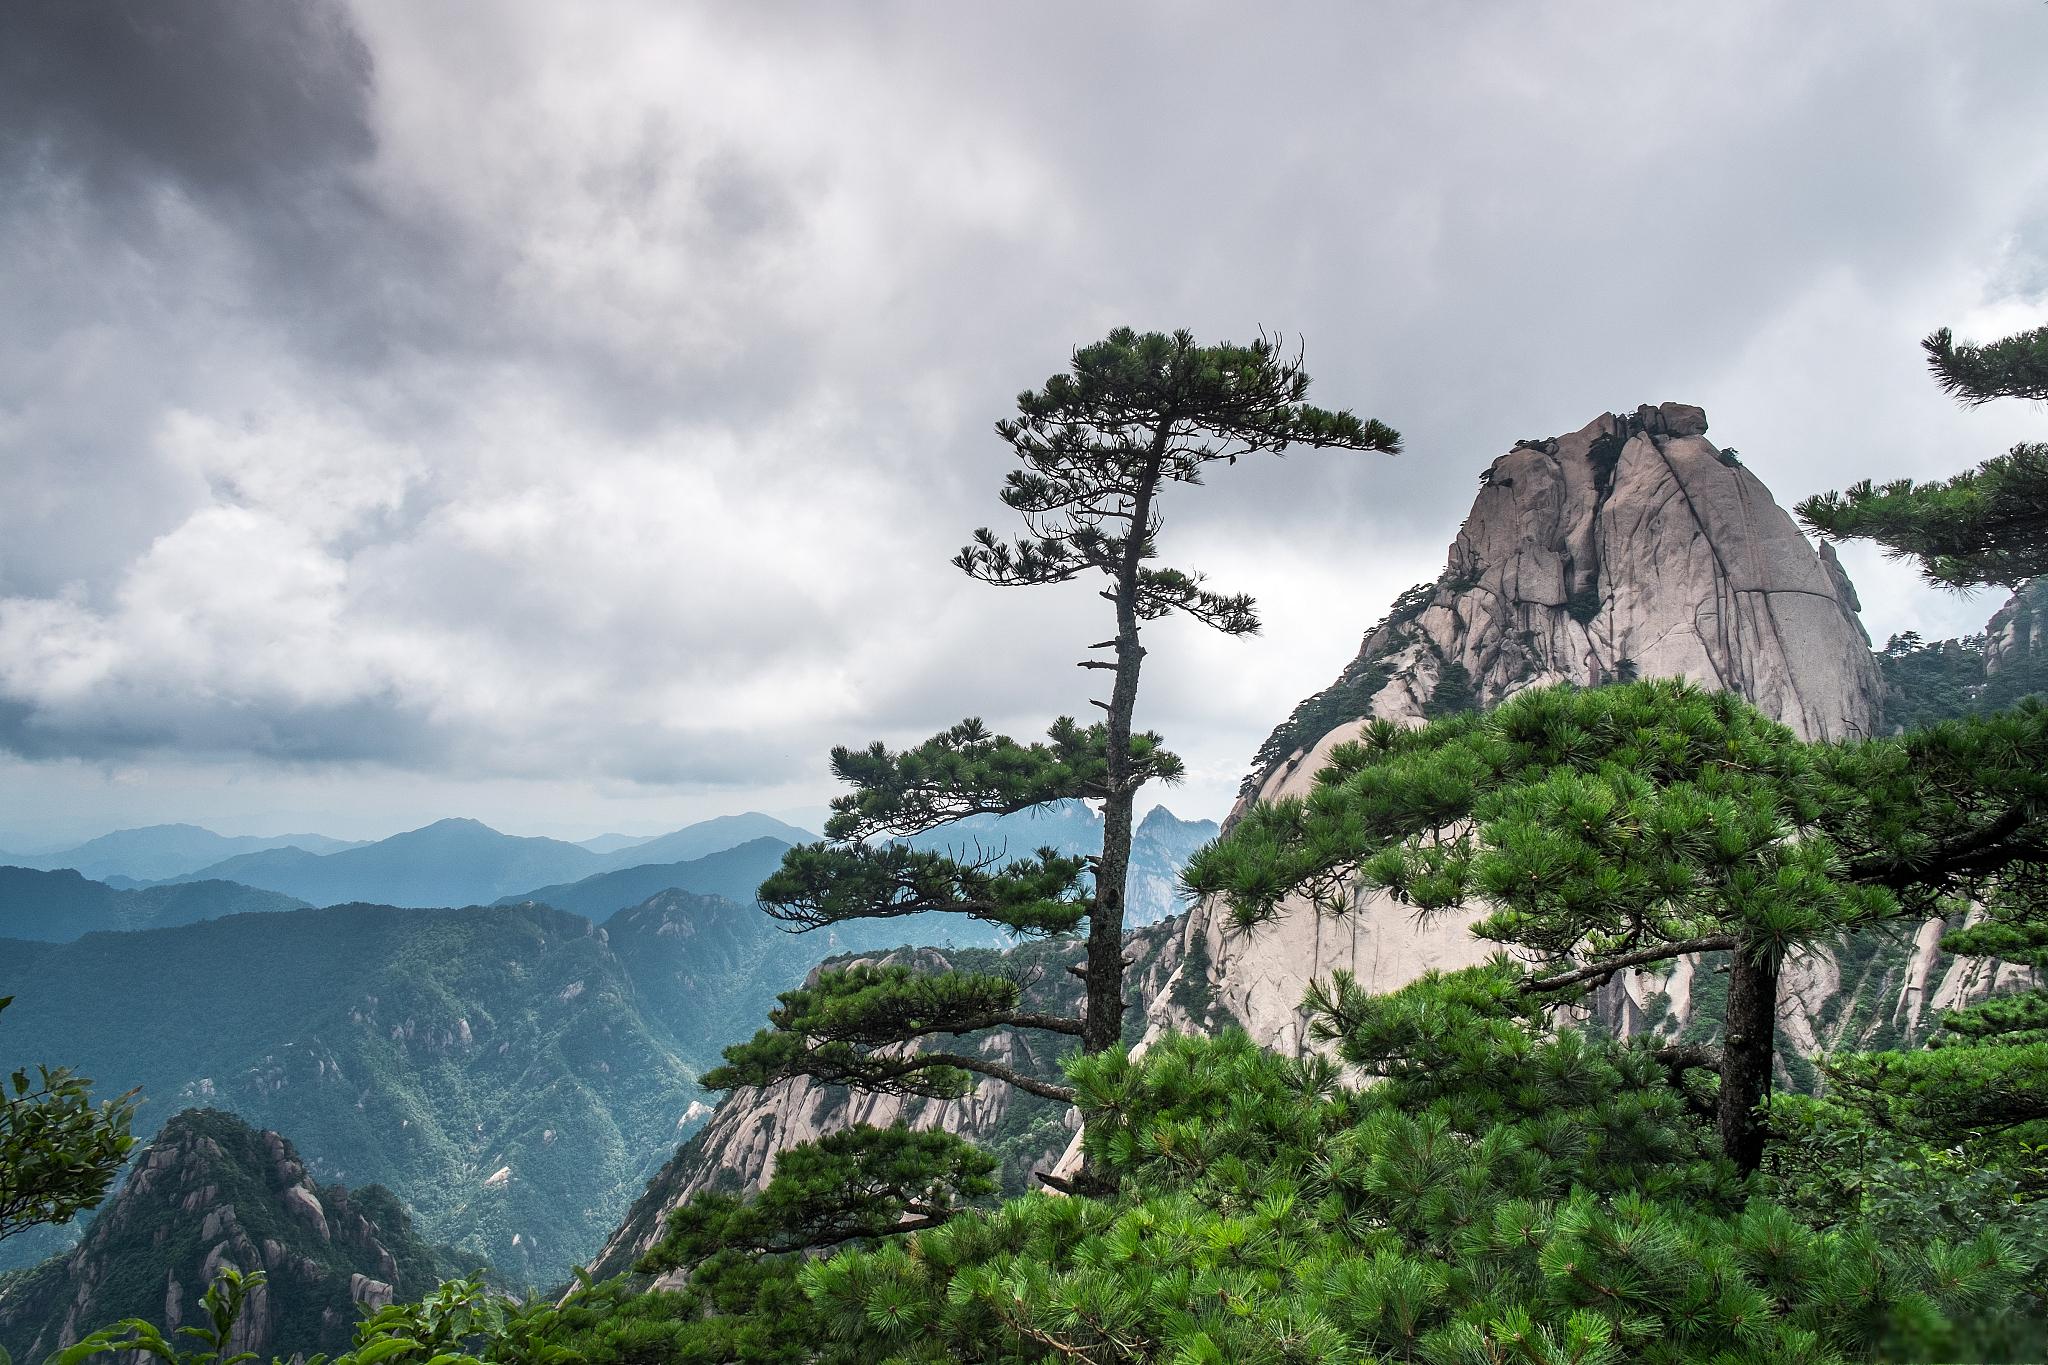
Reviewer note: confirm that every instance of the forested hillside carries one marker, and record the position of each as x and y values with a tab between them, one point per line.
497	1069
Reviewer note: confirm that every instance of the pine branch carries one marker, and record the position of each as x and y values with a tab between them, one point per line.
1597	973
2016	367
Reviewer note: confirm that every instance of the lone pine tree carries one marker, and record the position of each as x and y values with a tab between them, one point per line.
1986	525
1096	447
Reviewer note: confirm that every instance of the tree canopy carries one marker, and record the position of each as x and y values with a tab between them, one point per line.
59	1150
1621	827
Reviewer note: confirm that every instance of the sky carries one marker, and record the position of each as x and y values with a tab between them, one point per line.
563	415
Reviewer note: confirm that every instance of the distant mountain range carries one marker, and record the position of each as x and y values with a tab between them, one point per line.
56	907
159	852
733	873
466	862
423	1049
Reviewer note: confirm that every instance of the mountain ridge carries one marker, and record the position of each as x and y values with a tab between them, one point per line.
61	905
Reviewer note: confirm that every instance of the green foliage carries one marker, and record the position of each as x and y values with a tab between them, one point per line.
58	1149
858	1184
1453	692
1625	825
1840	1166
2016	367
1985	525
824	884
966	771
1603	820
847	1026
1268	1214
466	1322
461	1322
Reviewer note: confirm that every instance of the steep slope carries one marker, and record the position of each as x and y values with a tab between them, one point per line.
495	1067
450	862
1160	848
212	1191
60	906
159	852
737	1148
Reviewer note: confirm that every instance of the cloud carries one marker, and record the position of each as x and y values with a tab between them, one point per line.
594	395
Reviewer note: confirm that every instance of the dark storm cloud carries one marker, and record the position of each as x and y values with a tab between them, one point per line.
600	390
255	115
232	100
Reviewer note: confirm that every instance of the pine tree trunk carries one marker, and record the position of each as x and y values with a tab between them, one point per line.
1748	1049
1103	1024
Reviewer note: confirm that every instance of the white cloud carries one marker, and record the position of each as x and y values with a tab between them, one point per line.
587	399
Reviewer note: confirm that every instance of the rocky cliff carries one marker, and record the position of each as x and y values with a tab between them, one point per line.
212	1191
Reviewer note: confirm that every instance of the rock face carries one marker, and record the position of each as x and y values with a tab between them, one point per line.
211	1191
1629	548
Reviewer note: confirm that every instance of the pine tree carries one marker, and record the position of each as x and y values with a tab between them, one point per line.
1624	826
1096	449
1986	525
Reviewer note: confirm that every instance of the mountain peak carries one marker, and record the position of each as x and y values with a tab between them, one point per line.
456	824
1630	547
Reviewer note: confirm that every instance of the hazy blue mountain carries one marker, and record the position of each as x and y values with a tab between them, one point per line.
1160	848
60	905
448	863
428	1050
612	843
161	852
733	873
706	836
